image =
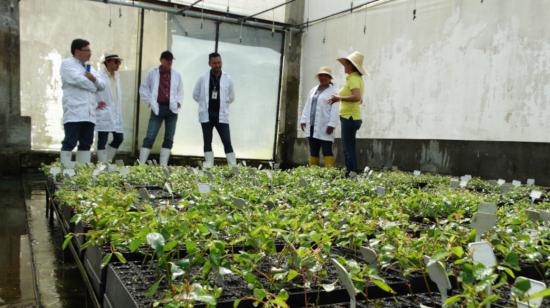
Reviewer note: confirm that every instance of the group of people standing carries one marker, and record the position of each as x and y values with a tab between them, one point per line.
325	104
92	101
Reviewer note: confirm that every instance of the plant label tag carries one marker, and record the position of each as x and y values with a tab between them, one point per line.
545	216
367	168
492	182
416	172
69	173
276	166
69	165
370	172
195	171
119	162
380	190
536	287
96	172
437	274
535	194
271	164
530	181
482	252
239	202
501	182
533	215
482	222
394	168
243	162
487	207
345	279
516	183
55	171
124	171
463	183
506	187
467	177
204	188
168	188
111	168
369	255
90	164
260	167
455	183
303	182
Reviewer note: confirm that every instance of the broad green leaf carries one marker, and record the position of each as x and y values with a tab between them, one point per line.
170	245
458	251
153	289
283	295
291	275
120	257
542	293
383	285
155	240
453	300
134	245
523	285
106	259
259	293
67	240
207	299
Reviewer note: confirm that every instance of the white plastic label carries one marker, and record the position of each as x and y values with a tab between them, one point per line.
463	183
482	222
487	207
111	168
536	287
466	177
530	181
516	183
535	194
369	255
124	171
55	171
367	168
437	274
119	162
482	252
501	181
69	172
204	188
455	183
345	279
416	172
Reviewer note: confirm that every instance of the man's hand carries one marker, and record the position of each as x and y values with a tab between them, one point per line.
90	76
303	126
179	105
101	105
330	130
334	99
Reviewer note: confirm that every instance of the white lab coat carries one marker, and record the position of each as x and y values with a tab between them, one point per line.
79	93
325	114
226	93
149	90
109	119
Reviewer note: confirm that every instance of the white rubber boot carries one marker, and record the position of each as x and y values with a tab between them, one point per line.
143	155
164	155
101	156
65	157
111	152
231	159
83	157
208	160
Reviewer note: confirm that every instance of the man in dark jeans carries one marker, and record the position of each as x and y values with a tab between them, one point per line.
162	90
80	86
214	92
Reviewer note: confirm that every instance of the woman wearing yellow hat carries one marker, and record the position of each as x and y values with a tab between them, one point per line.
320	117
350	98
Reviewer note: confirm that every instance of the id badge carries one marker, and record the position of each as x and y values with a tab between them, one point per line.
214	94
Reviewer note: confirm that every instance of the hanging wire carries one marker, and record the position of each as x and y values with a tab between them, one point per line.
307	20
325	32
414	11
241	33
289	38
110	18
202	14
365	21
273	24
227	6
119	12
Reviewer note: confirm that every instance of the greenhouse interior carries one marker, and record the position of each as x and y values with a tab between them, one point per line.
275	153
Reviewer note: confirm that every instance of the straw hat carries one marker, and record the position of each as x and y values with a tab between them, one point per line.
324	70
356	59
110	56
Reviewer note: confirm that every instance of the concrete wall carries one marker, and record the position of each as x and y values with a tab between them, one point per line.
14	129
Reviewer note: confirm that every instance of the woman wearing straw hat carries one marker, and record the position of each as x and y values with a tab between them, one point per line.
320	117
350	98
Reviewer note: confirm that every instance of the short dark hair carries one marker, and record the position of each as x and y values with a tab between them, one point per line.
167	55
78	44
213	55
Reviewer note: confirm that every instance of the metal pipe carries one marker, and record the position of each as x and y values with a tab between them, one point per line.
350	10
267	10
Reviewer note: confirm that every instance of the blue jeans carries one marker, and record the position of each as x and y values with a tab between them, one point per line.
155	121
349	130
223	131
102	140
81	132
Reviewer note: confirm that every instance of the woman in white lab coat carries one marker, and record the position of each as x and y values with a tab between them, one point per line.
320	117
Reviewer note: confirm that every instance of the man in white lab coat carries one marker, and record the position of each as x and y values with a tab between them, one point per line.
109	112
80	86
162	90
214	92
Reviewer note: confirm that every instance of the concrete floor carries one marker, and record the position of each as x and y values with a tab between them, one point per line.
34	271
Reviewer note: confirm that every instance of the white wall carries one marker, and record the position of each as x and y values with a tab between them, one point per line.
463	70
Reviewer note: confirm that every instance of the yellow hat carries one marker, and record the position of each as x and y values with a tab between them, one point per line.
356	59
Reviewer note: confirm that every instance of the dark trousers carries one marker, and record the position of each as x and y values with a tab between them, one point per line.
155	121
223	131
316	145
102	140
81	132
349	130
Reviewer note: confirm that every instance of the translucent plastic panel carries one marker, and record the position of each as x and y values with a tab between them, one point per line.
47	29
253	59
242	7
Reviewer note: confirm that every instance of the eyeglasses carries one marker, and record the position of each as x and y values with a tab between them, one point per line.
116	61
87	49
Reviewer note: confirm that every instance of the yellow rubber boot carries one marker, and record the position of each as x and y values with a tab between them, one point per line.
313	161
329	161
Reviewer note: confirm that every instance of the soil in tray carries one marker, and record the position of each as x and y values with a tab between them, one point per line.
137	278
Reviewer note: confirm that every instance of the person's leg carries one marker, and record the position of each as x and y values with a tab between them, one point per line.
153	127
85	141
328	158
347	129
225	136
114	145
101	142
170	121
207	129
355	125
314	147
69	142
